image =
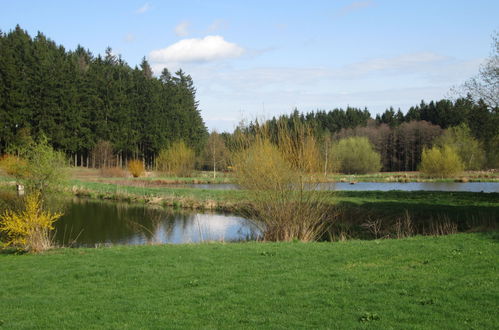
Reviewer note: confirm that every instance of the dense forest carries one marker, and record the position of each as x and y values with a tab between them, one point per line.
76	99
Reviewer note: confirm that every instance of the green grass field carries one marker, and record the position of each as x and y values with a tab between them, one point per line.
446	282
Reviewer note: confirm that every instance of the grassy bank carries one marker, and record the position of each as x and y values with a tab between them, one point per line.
387	203
228	177
468	176
421	282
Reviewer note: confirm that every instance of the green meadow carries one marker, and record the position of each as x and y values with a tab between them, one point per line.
415	283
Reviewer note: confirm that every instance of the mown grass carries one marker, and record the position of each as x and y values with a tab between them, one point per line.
417	283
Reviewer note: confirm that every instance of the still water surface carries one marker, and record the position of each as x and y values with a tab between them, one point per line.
381	186
94	223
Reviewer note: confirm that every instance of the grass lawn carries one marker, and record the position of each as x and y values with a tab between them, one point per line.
417	283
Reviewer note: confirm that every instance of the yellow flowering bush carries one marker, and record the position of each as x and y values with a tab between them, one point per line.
29	228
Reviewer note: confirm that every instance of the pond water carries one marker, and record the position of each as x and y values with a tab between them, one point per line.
381	186
94	223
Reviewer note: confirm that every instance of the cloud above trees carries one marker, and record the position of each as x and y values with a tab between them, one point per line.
207	49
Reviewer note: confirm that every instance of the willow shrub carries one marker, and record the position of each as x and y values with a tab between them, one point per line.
356	155
282	197
299	147
441	162
30	227
136	168
177	160
469	149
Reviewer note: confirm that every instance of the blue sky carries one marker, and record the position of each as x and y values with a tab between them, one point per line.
256	59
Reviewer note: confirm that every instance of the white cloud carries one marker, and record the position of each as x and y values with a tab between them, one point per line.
356	5
182	29
146	7
130	37
209	48
398	63
217	25
262	92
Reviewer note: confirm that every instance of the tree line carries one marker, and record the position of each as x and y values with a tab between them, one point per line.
101	112
399	138
76	99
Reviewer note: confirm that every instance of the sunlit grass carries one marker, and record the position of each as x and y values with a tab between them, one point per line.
421	282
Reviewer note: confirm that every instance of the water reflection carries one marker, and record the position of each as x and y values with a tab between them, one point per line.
95	223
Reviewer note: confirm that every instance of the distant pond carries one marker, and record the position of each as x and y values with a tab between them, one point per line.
96	223
381	186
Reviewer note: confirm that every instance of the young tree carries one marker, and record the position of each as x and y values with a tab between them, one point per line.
102	154
215	153
325	146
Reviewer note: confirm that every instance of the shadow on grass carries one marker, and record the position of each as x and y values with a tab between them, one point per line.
434	197
491	235
11	251
426	216
422	210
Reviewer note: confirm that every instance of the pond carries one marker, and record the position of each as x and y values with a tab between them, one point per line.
95	223
381	186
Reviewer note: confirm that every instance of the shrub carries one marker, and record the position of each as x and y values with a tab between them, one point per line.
440	162
40	168
29	228
13	165
136	168
177	160
468	148
282	197
356	155
45	167
299	146
262	167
